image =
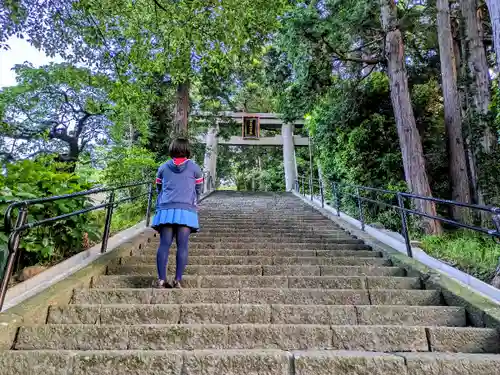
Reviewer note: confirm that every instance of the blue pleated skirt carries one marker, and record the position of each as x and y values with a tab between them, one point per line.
176	216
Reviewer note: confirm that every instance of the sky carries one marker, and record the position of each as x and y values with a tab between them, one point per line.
19	52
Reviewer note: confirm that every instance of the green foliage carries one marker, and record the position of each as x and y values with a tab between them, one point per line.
43	178
472	253
128	164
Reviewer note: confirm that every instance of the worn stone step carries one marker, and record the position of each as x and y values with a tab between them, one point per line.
278	245
266	246
270	270
271	253
388	276
267	270
261	260
301	282
243	235
264	217
329	362
276	231
257	314
258	296
255	336
151	252
275	224
218	336
237	362
145	362
283	239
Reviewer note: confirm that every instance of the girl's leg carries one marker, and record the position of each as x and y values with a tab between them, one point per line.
166	239
182	238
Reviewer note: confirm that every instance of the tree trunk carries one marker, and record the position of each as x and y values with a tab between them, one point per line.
457	163
479	78
494	9
181	111
409	138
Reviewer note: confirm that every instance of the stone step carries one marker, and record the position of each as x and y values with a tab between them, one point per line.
251	362
312	243
275	245
254	336
257	314
239	281
278	223
253	228
243	221
285	270
284	239
258	260
329	362
276	231
281	217
277	253
316	282
258	296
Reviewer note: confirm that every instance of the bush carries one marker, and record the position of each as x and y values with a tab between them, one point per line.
29	179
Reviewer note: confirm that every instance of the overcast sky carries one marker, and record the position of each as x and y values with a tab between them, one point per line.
19	52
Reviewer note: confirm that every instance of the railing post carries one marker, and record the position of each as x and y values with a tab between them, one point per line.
322	193
360	208
404	225
150	203
107	225
13	247
336	192
311	188
496	222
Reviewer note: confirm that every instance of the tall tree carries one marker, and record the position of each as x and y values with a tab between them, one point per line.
185	39
481	137
452	113
56	109
494	9
410	141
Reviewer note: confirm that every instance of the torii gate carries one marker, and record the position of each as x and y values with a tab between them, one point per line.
251	125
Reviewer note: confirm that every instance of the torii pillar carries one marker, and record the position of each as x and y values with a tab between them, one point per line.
210	162
289	159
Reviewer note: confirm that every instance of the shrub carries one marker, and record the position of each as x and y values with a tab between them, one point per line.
27	179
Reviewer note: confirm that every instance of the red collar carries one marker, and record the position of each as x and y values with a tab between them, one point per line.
179	161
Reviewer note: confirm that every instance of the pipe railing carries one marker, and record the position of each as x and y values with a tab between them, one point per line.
402	203
16	225
14	229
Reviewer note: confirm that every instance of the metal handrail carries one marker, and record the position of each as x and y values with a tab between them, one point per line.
339	188
15	231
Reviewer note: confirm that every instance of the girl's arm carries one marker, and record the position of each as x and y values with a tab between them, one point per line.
198	175
159	180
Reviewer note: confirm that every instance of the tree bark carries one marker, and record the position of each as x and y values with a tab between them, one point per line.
409	138
457	162
494	10
479	88
181	111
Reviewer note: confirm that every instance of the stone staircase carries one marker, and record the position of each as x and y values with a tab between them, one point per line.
273	288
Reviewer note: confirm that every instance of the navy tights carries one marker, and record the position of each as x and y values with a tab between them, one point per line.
167	234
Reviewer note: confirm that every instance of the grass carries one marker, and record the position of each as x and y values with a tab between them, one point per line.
472	253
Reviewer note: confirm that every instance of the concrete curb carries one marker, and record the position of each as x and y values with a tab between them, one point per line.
481	300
